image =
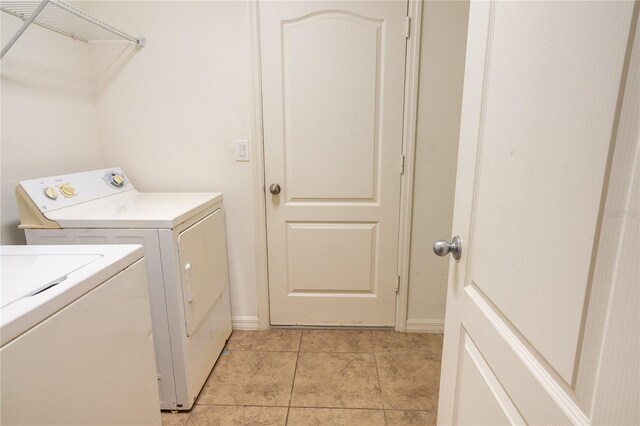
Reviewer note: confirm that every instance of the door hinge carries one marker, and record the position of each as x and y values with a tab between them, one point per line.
407	27
397	283
402	164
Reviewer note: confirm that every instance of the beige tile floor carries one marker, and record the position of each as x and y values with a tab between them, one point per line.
320	377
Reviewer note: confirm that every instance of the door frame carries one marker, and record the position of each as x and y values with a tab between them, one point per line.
412	71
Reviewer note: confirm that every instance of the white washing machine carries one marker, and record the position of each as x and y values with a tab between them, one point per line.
75	337
183	235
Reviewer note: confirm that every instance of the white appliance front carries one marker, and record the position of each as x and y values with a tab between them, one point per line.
77	346
185	247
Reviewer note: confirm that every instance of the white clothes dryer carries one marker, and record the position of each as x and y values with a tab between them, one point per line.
183	235
75	336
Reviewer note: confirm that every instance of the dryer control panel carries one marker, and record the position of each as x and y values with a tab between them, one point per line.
56	192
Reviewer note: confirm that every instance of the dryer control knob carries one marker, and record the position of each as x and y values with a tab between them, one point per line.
115	179
51	193
67	190
118	180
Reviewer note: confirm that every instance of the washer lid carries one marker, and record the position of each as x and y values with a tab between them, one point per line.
24	275
77	270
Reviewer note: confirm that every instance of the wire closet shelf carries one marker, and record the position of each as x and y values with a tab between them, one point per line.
65	19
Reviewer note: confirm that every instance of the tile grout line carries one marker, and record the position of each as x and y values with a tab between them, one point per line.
375	360
295	372
406	352
314	407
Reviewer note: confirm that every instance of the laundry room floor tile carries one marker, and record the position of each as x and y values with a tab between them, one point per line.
336	341
204	415
321	377
341	380
409	418
335	417
391	342
251	378
175	419
409	381
265	340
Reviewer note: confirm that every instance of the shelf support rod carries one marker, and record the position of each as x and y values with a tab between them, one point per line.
24	27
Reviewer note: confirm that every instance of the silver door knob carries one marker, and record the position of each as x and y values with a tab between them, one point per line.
274	189
443	248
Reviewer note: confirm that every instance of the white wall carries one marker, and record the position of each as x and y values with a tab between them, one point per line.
444	36
170	112
48	116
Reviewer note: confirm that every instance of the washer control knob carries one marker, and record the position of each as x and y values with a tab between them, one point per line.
50	192
67	190
116	179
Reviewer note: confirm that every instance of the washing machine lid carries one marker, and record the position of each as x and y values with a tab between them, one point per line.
133	209
38	281
24	275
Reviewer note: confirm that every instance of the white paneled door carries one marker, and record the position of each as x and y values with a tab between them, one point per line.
333	92
542	323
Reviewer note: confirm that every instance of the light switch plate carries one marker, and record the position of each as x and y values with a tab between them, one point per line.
242	150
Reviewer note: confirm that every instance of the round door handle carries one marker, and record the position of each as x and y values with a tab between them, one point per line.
443	248
274	188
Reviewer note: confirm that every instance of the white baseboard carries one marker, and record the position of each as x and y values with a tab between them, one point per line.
413	325
244	323
425	326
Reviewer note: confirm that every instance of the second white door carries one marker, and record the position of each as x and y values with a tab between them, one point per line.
542	317
333	92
